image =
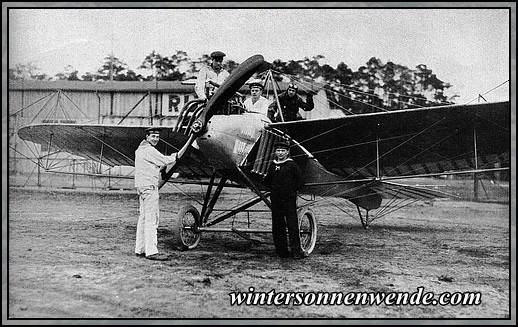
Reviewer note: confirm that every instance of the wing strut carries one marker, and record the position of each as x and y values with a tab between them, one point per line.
475	177
210	202
50	143
101	156
270	75
377	156
254	187
239	208
207	210
364	220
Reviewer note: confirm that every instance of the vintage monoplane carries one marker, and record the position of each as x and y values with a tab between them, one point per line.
361	158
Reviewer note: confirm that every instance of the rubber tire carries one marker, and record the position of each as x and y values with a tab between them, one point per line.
187	239
308	229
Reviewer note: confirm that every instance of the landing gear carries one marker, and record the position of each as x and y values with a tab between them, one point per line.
190	224
365	220
185	228
308	229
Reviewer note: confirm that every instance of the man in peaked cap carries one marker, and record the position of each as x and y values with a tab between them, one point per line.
284	180
154	130
210	77
216	55
256	103
148	161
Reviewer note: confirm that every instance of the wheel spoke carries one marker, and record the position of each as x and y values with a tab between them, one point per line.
185	229
307	230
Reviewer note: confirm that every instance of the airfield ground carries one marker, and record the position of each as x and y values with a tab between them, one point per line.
70	255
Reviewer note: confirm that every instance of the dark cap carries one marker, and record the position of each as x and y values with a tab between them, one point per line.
256	82
217	54
153	130
293	86
282	144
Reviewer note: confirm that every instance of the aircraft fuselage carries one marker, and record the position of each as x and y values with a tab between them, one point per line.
229	138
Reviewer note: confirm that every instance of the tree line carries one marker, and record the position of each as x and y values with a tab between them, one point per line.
373	86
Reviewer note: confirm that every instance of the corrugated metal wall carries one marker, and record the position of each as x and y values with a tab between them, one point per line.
141	107
132	103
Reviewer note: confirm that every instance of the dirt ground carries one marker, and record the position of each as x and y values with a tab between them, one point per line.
71	256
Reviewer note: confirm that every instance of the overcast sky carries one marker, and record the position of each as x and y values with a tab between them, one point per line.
467	47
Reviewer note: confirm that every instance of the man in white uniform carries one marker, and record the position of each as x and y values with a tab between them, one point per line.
148	161
257	103
211	77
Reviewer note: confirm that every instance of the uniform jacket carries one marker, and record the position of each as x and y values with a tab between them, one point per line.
284	178
260	106
148	161
290	106
205	75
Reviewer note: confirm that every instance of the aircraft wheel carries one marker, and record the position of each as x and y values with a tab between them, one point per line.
185	228
308	229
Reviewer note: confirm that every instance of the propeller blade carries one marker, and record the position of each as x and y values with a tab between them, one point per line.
227	89
167	171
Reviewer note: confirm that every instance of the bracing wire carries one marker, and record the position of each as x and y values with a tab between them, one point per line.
30	105
371	93
494	88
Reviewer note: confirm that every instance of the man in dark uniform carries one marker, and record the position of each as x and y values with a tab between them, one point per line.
290	103
284	179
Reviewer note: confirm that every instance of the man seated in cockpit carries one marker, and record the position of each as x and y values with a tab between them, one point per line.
256	103
211	77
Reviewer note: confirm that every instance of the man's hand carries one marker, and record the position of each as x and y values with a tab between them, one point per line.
163	171
212	83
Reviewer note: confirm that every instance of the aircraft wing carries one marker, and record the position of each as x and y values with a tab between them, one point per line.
413	142
112	145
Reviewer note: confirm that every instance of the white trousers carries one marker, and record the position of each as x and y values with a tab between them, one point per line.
147	221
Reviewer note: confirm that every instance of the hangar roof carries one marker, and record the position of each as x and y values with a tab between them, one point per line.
119	86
